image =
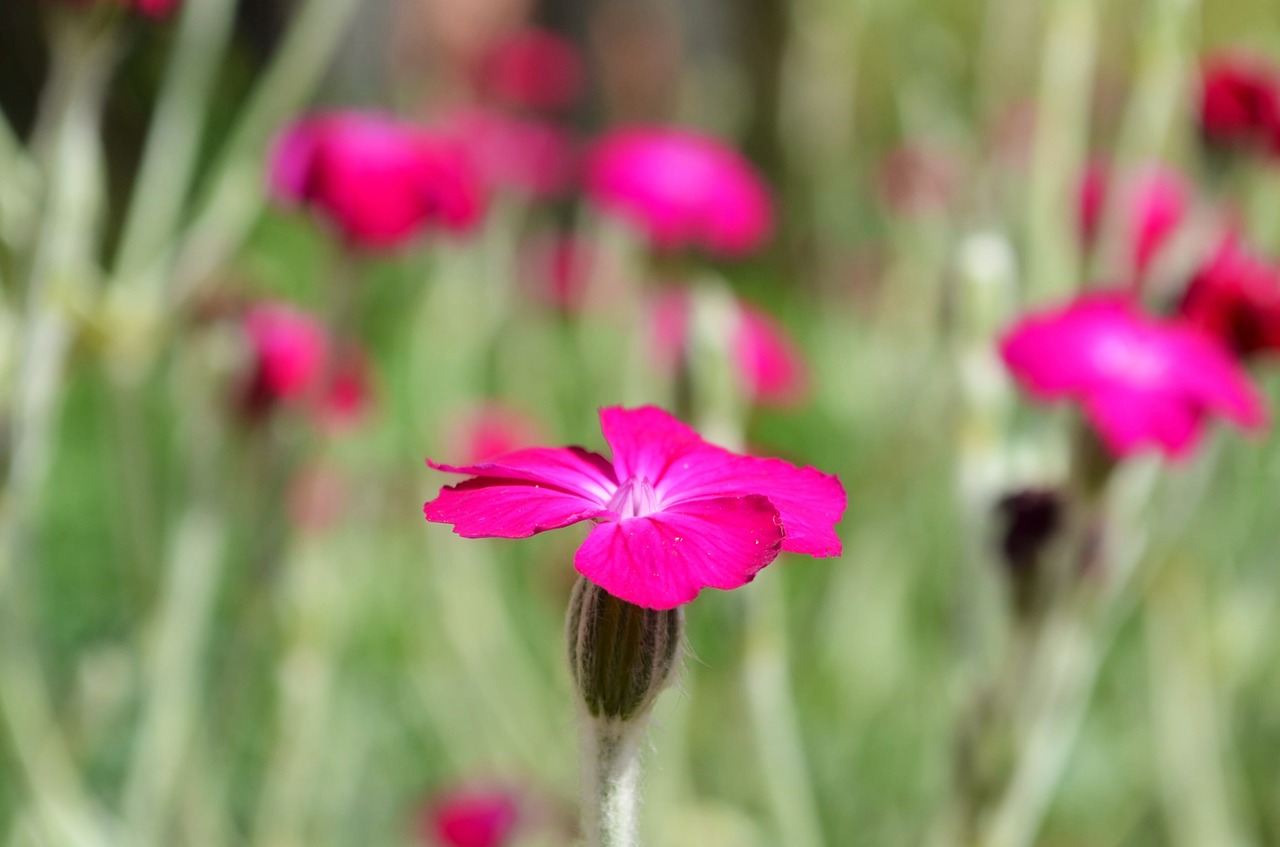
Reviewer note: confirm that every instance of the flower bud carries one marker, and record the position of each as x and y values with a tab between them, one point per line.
621	655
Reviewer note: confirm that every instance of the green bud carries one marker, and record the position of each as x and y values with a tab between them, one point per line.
621	655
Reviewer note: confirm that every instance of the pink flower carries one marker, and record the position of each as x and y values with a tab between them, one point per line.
1235	296
682	188
533	69
290	353
490	430
471	818
672	513
1240	103
1153	202
527	156
379	181
1143	383
769	366
345	397
151	8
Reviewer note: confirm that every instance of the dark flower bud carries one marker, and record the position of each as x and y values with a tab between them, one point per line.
621	655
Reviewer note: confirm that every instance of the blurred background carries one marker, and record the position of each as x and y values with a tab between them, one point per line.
224	620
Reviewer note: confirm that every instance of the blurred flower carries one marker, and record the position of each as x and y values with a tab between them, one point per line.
682	188
1235	296
1143	383
470	818
915	179
528	156
672	513
769	366
1240	103
346	396
556	268
1153	202
150	8
378	180
290	354
489	430
533	69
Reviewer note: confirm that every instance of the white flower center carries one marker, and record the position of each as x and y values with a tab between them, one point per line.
635	498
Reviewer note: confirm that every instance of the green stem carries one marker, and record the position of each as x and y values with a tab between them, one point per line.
610	781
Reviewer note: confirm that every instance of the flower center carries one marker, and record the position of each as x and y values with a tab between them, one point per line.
1130	360
635	498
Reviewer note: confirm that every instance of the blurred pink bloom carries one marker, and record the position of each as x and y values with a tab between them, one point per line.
1153	202
151	8
346	396
471	818
916	178
1235	296
1240	103
1143	383
672	513
533	69
769	365
378	180
290	352
489	430
556	268
682	188
528	156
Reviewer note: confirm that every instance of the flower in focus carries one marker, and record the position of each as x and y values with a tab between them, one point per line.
769	366
1240	104
290	354
489	430
1235	296
1153	202
682	189
527	156
533	69
1143	383
672	513
470	818
378	180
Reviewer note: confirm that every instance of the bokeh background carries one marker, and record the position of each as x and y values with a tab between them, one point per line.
222	628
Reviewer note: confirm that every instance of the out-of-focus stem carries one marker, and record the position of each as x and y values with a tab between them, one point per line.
1061	135
173	141
235	196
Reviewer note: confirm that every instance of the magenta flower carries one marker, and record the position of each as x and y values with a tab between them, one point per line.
150	8
770	368
682	189
1235	296
1153	203
1240	104
1143	383
672	513
533	69
379	181
471	818
290	353
526	156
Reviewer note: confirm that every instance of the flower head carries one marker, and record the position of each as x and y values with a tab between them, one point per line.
533	69
290	353
378	180
672	513
471	818
1143	383
1153	203
1235	296
1240	104
682	189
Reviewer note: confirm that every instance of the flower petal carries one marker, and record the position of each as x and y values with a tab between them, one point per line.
571	470
507	508
665	559
647	441
1130	421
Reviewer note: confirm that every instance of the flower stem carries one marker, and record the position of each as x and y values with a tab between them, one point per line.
610	781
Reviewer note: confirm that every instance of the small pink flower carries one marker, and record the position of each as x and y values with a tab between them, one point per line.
376	179
490	430
1235	296
672	513
471	818
527	156
290	353
533	69
1154	202
682	188
769	366
345	397
1143	383
1240	103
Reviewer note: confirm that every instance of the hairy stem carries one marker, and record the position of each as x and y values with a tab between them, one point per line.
610	781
